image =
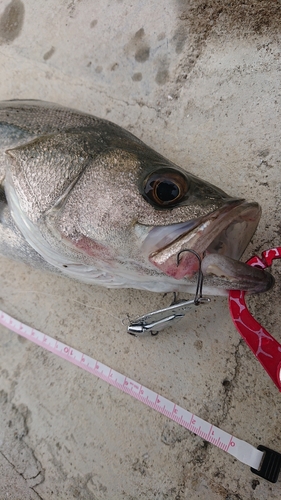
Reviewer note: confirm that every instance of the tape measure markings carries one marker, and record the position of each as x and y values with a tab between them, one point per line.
239	449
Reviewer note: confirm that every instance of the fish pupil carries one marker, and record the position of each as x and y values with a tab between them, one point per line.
167	191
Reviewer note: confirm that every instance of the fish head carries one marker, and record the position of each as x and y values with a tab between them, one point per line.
106	208
208	223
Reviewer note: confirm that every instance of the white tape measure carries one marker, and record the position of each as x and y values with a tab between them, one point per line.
263	461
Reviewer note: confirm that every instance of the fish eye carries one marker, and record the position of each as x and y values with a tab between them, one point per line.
165	187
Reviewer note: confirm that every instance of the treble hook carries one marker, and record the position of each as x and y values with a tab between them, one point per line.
198	293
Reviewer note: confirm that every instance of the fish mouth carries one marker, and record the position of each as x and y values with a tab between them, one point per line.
220	239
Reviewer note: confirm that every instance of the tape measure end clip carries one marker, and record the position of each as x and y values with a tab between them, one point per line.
270	465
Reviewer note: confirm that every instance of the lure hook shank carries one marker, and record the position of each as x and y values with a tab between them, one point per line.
155	321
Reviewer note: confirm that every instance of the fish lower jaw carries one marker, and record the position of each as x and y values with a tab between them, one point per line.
237	275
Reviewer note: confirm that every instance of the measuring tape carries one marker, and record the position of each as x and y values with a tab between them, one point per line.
263	461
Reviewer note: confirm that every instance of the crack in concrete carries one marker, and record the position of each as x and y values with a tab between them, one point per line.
21	456
4	456
34	477
22	475
36	492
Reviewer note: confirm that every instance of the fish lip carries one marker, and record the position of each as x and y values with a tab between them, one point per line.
206	234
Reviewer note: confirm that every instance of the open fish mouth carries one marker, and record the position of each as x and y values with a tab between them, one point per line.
220	239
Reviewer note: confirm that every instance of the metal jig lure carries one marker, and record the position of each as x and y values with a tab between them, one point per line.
155	321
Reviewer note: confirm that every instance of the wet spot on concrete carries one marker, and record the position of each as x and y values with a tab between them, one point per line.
11	21
137	77
198	344
161	36
139	34
255	483
264	153
93	23
21	339
142	54
71	8
226	384
179	38
138	46
162	75
49	54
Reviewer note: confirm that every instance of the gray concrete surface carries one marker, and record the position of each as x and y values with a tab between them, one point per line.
199	82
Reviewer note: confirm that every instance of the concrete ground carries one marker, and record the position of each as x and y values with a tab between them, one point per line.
199	81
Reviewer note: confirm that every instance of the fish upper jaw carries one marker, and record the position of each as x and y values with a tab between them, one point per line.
221	239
